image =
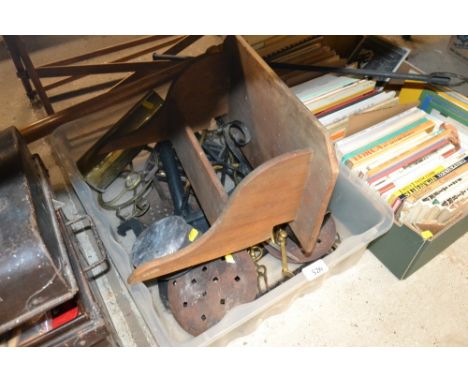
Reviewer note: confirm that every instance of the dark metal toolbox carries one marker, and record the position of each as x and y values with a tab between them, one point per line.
35	273
39	265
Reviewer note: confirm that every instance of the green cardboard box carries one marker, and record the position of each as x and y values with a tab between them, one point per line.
403	251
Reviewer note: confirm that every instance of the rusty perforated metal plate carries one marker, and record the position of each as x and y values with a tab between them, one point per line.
201	297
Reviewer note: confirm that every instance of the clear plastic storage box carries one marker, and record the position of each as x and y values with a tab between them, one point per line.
360	217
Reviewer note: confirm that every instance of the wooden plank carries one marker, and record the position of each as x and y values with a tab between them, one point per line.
121	59
20	70
174	50
268	196
310	50
185	43
32	73
106	50
117	67
83	90
297	77
46	125
209	190
278	43
195	97
280	123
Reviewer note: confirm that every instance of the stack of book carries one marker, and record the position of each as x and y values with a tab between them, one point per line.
417	162
447	105
333	99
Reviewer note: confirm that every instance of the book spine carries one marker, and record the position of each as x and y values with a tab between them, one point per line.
421	155
463	119
430	100
387	125
439	183
446	187
420	182
461	194
374	132
434	97
445	133
426	180
356	100
386	142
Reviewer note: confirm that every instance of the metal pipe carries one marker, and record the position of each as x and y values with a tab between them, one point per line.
438	78
169	163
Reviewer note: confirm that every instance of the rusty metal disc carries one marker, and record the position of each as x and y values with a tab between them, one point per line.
201	297
325	241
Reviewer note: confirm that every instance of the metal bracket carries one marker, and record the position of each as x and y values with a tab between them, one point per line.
281	237
102	258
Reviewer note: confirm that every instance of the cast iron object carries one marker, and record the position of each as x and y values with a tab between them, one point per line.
170	166
201	297
35	274
325	241
180	198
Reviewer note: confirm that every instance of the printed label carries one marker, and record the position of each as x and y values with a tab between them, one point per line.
315	270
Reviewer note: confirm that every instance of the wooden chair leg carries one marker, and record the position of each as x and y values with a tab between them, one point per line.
31	70
20	70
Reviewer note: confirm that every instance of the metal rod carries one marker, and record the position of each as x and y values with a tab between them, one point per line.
434	78
169	163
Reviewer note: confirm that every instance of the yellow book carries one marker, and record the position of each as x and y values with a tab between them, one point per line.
439	182
411	91
423	180
452	99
